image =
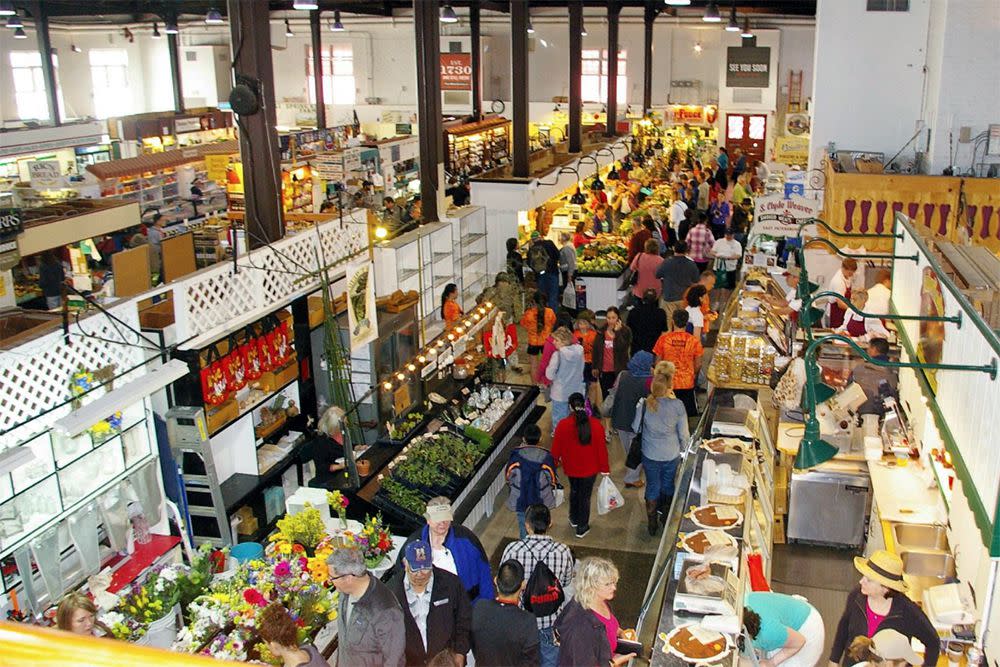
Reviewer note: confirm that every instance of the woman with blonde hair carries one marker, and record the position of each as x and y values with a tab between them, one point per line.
77	613
662	418
565	372
588	630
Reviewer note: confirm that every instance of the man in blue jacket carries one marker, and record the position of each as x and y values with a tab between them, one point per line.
454	548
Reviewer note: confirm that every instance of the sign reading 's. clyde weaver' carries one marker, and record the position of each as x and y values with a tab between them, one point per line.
748	67
775	215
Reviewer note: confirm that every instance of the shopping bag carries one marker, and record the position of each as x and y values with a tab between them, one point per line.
569	296
608	496
560	495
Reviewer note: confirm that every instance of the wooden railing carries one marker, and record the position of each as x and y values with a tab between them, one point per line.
24	645
948	208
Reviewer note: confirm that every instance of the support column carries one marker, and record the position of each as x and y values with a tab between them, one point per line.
317	54
612	122
519	85
647	60
175	72
250	36
48	71
477	62
428	35
575	74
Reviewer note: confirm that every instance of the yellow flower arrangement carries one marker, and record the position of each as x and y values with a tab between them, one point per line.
305	528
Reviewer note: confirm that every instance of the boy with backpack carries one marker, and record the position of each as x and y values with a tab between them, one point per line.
543	260
548	566
531	476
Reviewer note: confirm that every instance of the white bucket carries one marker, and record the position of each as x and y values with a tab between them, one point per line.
162	632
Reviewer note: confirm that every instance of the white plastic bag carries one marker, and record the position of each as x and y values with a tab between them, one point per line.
608	496
560	495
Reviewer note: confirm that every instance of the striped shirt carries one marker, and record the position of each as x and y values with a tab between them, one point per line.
534	548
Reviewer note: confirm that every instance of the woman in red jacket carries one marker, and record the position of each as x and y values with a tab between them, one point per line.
579	446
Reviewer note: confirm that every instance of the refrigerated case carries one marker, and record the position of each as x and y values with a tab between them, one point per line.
830	506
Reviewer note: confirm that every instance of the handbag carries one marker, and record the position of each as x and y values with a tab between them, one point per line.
634	458
609	401
633	277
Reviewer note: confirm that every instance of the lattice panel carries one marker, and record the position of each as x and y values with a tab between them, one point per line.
267	278
35	377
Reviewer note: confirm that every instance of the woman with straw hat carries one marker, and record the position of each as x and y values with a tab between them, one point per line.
880	603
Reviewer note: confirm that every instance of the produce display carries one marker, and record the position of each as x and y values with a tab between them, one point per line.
605	254
402	429
439	464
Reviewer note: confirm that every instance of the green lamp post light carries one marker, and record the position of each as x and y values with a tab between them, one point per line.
805	316
813	450
804	277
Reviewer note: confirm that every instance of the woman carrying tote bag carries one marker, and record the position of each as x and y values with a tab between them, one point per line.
664	429
631	386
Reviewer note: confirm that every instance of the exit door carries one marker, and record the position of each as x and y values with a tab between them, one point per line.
748	132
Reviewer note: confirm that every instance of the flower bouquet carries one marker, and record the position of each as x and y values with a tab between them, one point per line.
338	504
153	606
304	528
374	540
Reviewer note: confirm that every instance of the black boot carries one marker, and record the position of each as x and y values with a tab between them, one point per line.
653	523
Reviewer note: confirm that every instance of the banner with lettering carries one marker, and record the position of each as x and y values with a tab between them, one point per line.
776	216
456	71
748	67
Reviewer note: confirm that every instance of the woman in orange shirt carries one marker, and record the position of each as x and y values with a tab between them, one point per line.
451	312
537	321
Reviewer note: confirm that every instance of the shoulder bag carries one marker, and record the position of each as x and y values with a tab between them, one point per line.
634	458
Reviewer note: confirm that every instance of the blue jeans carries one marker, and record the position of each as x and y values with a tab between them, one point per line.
520	525
548	648
560	410
548	284
660	480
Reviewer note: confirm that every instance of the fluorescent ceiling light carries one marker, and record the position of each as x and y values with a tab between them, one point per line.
14	458
747	32
7	8
305	5
678	3
14	22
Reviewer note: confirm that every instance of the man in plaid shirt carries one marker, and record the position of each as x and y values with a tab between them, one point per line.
700	240
536	547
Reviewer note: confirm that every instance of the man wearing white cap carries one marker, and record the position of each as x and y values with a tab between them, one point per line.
455	549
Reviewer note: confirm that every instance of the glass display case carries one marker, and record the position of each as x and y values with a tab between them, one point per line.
62	470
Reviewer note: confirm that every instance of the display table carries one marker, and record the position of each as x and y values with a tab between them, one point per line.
602	290
473	498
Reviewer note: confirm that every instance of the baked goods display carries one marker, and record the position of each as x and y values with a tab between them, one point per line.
716	516
693	643
724	445
700	541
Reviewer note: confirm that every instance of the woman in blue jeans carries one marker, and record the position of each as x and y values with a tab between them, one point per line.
663	420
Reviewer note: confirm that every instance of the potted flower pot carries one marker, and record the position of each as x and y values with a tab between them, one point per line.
163	631
364	467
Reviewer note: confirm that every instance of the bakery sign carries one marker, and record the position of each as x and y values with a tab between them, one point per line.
10	227
776	216
456	71
748	67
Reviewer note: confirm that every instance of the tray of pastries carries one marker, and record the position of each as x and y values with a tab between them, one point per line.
695	644
716	516
701	541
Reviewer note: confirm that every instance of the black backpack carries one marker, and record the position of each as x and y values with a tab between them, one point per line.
544	595
538	258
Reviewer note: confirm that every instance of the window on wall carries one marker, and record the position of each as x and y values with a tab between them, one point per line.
594	80
109	74
29	85
888	5
338	74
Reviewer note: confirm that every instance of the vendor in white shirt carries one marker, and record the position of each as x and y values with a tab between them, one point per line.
880	293
841	284
859	327
727	252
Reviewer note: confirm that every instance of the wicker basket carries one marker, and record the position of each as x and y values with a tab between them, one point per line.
724	495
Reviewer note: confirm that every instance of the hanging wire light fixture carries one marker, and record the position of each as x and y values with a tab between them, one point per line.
448	14
337	26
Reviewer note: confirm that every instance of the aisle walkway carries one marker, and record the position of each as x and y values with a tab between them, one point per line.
620	535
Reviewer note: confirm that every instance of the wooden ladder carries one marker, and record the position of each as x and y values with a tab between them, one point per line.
794	91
